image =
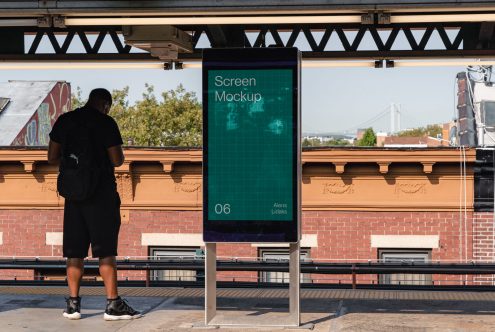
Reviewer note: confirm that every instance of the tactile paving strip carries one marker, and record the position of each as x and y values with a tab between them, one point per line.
331	294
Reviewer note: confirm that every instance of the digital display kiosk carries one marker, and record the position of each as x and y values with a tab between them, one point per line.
251	140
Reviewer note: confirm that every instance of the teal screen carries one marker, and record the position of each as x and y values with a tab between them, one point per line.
250	145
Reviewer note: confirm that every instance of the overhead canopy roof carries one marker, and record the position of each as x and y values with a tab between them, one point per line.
205	7
466	28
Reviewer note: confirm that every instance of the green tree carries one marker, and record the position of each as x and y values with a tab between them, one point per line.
184	118
369	138
429	130
175	120
337	142
313	142
76	99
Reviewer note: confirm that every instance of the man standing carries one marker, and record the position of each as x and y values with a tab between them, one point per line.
93	215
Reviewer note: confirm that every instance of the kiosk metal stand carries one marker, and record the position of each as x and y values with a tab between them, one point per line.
294	316
252	170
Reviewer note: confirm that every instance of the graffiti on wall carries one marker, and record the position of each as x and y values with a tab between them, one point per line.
37	130
44	124
31	133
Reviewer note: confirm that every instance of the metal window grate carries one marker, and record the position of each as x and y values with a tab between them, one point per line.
174	254
405	256
281	255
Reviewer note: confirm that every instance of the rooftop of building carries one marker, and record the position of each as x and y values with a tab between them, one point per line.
24	98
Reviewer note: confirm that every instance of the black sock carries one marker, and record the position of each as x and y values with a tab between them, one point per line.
74	298
115	299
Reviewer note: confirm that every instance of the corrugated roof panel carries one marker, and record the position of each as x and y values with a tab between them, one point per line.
25	98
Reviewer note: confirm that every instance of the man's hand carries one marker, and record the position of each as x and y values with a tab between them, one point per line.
116	155
54	152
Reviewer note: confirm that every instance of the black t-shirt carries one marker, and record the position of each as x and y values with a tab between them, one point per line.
106	134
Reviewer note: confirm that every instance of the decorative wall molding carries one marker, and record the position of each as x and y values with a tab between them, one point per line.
161	179
125	186
410	188
337	188
385	158
339	167
49	186
188	187
383	167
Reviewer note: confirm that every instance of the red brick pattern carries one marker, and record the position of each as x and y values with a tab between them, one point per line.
484	243
342	236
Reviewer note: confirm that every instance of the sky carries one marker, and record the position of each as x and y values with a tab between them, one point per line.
333	99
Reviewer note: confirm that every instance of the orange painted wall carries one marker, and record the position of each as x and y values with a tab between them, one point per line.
348	195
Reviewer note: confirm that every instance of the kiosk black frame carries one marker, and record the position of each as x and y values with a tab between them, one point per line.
248	230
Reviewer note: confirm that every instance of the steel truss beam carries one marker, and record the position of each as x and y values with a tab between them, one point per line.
470	40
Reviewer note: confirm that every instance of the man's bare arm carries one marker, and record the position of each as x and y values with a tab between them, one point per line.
54	152
116	155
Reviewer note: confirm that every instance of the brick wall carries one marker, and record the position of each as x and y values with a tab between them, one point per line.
346	236
484	243
341	236
24	235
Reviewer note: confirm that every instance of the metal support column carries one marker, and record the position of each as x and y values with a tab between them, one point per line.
295	283
293	319
210	282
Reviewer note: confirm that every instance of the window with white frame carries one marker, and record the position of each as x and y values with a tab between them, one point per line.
281	255
407	256
184	254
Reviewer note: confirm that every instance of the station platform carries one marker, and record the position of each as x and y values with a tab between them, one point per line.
24	308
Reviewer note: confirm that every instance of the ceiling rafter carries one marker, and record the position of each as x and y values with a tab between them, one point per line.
83	36
317	37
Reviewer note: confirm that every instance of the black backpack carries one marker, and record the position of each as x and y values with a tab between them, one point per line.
79	170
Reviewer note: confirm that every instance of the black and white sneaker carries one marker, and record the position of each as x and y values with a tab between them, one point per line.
73	310
119	309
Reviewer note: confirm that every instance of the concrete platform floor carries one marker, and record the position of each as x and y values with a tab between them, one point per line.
167	309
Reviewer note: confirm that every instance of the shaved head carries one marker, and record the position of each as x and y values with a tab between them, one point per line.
101	99
100	95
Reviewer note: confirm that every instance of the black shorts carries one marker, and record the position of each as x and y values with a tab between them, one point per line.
95	221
